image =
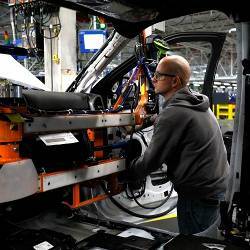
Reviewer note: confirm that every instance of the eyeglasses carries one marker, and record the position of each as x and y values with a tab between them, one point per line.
160	76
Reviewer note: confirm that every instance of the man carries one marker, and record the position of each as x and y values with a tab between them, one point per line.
188	139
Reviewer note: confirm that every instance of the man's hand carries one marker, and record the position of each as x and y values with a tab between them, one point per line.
131	152
127	177
147	122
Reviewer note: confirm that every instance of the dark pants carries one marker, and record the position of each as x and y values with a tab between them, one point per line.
195	216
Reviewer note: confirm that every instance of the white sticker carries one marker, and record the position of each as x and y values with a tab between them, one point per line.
58	139
214	246
43	246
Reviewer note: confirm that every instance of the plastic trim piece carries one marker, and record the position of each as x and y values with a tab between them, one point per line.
17	180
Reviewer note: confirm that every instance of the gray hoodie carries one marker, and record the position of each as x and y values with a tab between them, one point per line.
188	139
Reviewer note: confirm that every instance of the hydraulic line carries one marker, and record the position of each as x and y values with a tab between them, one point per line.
143	216
140	193
153	207
142	137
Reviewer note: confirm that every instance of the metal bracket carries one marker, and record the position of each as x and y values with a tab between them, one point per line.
50	181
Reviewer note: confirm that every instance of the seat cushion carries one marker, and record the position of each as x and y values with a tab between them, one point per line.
37	100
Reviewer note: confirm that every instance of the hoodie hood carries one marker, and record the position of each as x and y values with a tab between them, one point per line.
185	98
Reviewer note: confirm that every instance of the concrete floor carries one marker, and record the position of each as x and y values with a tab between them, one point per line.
167	222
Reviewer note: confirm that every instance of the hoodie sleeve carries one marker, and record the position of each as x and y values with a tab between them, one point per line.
162	146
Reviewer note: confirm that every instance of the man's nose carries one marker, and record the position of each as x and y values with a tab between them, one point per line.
154	79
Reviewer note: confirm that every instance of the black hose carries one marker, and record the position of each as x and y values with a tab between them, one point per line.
143	216
153	207
140	193
142	137
131	190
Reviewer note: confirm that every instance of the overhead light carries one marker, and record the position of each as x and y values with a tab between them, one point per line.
148	31
232	30
230	87
217	83
227	84
222	87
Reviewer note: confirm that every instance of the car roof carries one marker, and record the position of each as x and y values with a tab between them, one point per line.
129	17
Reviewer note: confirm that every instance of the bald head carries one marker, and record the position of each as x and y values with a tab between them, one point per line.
177	65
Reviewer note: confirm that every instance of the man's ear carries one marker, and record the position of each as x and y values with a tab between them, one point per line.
175	82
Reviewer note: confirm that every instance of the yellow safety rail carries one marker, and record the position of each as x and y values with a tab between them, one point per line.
224	111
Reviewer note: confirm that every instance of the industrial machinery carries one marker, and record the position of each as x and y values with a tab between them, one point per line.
64	148
64	151
50	140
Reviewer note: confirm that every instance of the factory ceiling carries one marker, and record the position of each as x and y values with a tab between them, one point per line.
209	20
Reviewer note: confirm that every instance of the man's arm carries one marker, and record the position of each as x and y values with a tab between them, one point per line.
147	122
163	144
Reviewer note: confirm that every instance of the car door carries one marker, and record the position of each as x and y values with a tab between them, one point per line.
209	43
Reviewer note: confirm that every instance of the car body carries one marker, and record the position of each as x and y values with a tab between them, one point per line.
138	15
